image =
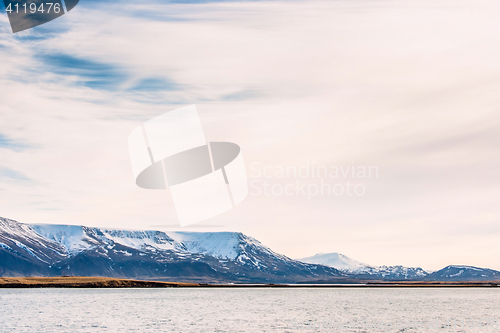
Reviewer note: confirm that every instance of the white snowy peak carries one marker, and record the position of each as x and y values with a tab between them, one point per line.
20	238
348	265
336	260
221	245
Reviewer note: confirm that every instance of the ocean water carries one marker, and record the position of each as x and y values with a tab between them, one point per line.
250	310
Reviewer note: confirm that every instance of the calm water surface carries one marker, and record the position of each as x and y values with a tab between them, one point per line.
250	310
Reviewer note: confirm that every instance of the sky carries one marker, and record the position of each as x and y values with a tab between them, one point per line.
407	89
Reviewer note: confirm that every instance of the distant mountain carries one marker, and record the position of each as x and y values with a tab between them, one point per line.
397	272
336	260
224	257
50	250
364	271
464	273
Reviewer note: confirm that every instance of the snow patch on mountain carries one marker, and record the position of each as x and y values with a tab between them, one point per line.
464	273
5	246
11	230
140	240
21	239
348	265
72	237
221	245
336	260
465	267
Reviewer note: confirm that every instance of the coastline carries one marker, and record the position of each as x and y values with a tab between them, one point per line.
105	282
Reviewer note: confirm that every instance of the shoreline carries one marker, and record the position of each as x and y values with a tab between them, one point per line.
105	282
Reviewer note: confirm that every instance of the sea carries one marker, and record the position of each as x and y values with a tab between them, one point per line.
251	310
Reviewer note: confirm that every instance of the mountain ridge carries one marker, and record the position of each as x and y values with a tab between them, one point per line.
362	270
49	250
206	257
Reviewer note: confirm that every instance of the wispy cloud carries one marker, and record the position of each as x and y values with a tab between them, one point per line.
154	84
92	74
408	86
243	95
7	143
7	174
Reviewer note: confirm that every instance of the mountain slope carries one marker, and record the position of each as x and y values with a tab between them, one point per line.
364	271
464	273
52	250
49	250
23	241
336	260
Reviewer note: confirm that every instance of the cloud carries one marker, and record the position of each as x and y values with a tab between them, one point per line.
414	92
154	85
11	144
92	74
243	95
7	174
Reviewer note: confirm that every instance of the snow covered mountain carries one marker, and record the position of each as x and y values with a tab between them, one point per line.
336	260
24	252
361	270
46	250
464	273
51	250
